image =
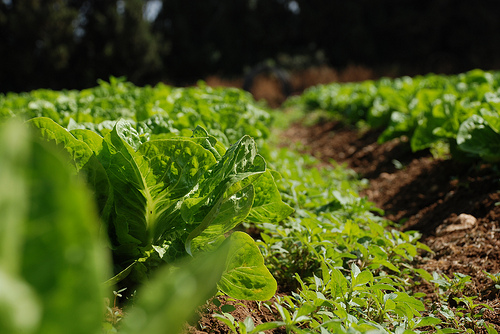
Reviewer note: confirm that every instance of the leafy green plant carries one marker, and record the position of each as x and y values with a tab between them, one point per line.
465	318
53	260
163	199
300	315
478	137
469	314
457	309
356	303
154	112
450	287
495	279
165	193
352	270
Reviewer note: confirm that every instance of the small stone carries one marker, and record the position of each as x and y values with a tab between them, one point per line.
459	223
387	176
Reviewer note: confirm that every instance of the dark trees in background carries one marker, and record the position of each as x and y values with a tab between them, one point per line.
115	40
36	43
72	43
222	36
417	36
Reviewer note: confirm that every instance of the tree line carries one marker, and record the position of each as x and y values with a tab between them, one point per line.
71	43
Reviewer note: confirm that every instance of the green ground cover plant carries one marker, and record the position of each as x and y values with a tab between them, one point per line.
347	270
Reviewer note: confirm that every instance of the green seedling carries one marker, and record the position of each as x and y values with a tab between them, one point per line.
247	326
495	278
453	286
470	313
292	320
114	313
491	329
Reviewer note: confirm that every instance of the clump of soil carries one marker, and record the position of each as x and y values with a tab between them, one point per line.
453	205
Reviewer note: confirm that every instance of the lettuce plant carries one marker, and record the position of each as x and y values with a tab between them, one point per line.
164	199
52	259
52	262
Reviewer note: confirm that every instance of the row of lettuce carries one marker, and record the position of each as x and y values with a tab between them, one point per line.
159	112
115	186
457	114
160	193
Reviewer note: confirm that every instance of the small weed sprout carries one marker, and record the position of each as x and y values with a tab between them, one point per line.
114	313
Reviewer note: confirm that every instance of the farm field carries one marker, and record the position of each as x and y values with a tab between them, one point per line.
355	208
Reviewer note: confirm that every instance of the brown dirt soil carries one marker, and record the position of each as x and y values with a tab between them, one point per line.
432	196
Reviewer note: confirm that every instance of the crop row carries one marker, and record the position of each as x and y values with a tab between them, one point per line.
142	188
457	115
155	112
158	196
